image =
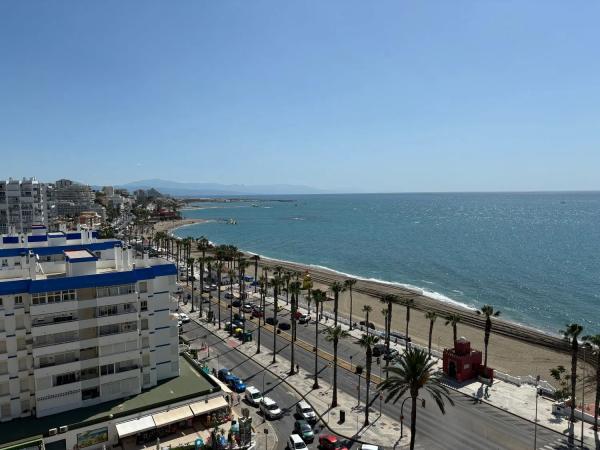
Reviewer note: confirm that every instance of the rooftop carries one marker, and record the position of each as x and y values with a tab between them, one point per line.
190	383
79	256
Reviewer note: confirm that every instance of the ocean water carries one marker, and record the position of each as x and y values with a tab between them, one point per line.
534	256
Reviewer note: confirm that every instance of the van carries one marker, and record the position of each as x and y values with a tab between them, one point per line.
253	396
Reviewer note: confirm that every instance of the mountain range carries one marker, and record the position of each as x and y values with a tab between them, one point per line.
183	189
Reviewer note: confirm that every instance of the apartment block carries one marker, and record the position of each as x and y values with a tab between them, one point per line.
81	322
22	204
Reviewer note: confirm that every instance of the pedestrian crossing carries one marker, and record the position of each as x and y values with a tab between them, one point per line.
562	443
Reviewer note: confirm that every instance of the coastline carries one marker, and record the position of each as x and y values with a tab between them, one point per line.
514	348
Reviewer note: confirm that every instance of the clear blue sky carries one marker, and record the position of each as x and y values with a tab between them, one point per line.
369	96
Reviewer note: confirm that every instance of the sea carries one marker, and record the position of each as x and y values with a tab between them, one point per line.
533	256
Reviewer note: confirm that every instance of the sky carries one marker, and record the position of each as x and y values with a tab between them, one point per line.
385	96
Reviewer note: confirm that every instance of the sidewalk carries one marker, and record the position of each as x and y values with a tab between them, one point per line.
383	430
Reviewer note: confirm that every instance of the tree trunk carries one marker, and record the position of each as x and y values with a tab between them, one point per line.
336	299
430	335
574	346
454	331
335	359
413	422
369	357
292	350
351	327
486	341
367	322
597	401
407	321
219	297
274	323
316	383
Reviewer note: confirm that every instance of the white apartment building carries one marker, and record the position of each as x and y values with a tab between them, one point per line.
81	322
22	204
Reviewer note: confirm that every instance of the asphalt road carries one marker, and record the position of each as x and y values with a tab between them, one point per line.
466	425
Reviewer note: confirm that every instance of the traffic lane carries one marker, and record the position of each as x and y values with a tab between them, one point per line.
223	355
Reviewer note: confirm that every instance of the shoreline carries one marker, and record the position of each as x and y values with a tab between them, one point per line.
514	348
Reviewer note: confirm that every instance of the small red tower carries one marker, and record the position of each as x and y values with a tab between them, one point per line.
462	363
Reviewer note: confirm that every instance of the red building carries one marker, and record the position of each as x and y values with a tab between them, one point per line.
462	363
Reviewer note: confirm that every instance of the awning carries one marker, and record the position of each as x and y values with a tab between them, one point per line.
224	388
135	426
202	407
172	416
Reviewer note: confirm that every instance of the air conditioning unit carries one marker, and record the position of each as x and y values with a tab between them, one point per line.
52	431
63	429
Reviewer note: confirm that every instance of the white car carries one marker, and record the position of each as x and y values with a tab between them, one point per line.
253	396
184	317
369	447
304	318
248	307
295	442
305	411
270	409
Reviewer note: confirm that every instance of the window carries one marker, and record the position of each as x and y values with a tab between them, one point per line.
38	299
143	286
18	300
107	369
144	305
5	263
1	304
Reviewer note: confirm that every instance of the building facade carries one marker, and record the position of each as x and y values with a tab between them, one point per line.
70	199
22	204
81	322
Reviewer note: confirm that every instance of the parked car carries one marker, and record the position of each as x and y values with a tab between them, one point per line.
304	318
236	384
305	412
331	442
369	447
224	375
253	396
295	442
392	354
378	350
236	303
272	320
270	409
184	317
371	324
228	295
206	289
248	307
257	312
284	325
303	428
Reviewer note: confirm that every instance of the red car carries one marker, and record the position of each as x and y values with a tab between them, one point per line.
330	442
257	313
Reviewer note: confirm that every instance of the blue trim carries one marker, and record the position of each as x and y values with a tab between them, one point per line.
41	238
162	345
85	281
73	235
10	239
163	362
38	227
12	356
161	328
9	314
161	310
164	292
95	234
59	249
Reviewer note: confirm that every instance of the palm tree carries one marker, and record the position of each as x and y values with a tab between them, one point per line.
319	297
190	263
408	303
431	316
348	285
287	276
219	268
256	258
571	334
414	371
488	312
263	294
390	300
334	334
336	287
294	289
594	343
367	310
368	341
453	319
276	282
231	274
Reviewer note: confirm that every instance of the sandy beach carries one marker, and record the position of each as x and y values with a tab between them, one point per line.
513	349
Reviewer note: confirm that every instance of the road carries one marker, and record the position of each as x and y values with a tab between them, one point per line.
466	425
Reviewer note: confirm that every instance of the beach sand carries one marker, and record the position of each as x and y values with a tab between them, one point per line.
513	349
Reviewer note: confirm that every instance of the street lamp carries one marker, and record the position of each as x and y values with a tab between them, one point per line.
537	394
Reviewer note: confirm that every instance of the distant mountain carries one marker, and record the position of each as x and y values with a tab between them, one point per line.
178	189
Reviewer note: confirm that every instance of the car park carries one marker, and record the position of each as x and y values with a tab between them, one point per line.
295	442
305	411
270	409
253	396
303	428
331	442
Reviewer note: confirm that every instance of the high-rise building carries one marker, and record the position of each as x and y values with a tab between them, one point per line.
81	322
70	199
22	204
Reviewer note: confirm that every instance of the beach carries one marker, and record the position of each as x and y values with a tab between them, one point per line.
513	349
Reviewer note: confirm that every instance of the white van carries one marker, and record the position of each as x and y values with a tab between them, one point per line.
253	396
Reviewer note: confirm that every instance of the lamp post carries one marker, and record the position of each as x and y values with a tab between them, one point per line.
582	395
537	394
